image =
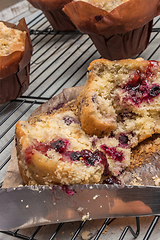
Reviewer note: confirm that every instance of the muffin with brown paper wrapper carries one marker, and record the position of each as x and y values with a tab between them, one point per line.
52	10
15	66
121	33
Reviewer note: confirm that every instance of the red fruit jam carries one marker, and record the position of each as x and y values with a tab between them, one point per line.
61	145
139	87
89	157
28	155
113	153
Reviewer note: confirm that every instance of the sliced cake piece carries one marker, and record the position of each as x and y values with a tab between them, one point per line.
121	99
52	148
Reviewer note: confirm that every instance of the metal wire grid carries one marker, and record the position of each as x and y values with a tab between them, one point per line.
60	60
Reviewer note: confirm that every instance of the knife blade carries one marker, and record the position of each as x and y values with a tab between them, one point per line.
29	206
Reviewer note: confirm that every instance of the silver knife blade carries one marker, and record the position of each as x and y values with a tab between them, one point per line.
30	206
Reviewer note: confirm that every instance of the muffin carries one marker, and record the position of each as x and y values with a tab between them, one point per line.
15	55
52	10
119	29
52	148
121	99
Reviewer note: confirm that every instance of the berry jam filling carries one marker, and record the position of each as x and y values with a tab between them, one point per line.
89	157
123	139
113	153
28	155
75	156
68	120
111	180
61	145
139	87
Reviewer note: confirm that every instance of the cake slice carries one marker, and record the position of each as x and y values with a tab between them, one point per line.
52	148
121	99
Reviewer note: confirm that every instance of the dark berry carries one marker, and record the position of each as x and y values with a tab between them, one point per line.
91	160
139	87
123	139
68	120
85	153
113	153
154	91
101	157
28	155
59	145
125	115
75	156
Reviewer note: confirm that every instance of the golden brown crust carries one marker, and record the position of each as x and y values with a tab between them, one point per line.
88	118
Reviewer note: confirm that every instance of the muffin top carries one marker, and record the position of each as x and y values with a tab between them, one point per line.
11	40
107	5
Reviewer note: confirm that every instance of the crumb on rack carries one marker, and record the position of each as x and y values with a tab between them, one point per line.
156	180
85	217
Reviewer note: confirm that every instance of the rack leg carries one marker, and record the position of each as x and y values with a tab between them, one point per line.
151	228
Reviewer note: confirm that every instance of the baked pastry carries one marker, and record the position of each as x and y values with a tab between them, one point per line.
119	29
52	148
52	10
121	99
107	5
15	54
11	40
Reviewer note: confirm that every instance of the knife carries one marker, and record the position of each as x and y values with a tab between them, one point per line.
29	206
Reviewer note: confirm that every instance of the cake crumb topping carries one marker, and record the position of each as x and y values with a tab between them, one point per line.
11	40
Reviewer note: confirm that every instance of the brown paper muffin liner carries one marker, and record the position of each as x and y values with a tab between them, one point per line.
121	33
52	10
125	45
15	68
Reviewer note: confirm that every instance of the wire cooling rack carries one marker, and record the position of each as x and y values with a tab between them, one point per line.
60	60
